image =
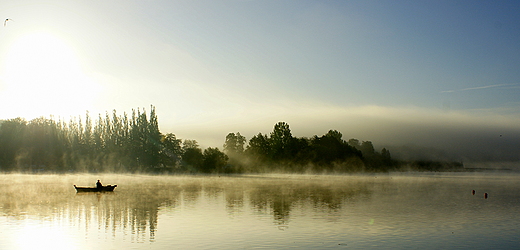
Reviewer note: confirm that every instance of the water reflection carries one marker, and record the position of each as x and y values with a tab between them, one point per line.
134	209
177	210
280	197
235	201
112	213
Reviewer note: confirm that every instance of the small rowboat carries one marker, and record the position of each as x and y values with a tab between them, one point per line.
108	188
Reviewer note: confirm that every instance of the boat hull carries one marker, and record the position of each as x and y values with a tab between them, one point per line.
108	188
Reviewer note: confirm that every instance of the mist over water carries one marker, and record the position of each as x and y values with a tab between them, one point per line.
276	211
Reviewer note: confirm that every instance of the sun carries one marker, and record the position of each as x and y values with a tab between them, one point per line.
42	76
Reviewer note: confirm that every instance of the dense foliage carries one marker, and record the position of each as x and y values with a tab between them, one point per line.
134	143
327	153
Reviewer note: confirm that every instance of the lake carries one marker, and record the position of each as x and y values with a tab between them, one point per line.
380	211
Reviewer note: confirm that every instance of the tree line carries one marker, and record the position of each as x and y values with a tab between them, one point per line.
281	151
132	142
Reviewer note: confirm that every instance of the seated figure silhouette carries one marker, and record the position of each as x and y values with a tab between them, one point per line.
99	185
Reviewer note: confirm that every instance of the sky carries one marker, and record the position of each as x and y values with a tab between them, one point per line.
439	76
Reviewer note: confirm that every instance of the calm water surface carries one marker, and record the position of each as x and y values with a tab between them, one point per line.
403	211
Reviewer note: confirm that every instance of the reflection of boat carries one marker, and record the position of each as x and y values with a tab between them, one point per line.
108	188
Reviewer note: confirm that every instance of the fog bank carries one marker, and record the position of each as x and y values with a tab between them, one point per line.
408	132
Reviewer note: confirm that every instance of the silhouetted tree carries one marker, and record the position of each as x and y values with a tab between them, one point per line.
234	149
191	155
43	146
385	154
367	148
302	153
214	161
259	147
11	132
331	152
121	142
280	141
234	143
354	143
172	150
336	135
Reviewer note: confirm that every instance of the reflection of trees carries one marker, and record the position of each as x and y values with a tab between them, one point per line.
275	198
133	209
132	212
114	212
234	200
191	192
279	197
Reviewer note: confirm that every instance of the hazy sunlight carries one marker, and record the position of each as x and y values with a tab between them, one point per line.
42	76
40	237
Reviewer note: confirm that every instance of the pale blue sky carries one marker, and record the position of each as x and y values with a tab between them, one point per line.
374	70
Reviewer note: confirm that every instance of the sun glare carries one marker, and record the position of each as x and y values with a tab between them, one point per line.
42	76
40	237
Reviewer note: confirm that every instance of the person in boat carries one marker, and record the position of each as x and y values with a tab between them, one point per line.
99	185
